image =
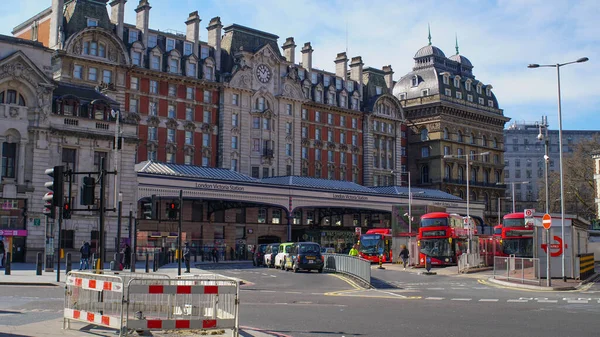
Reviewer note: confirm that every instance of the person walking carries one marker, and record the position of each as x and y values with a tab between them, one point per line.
404	255
127	256
215	254
85	256
2	251
353	251
186	257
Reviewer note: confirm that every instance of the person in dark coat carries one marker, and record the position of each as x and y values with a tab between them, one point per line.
85	256
127	257
186	257
2	251
215	254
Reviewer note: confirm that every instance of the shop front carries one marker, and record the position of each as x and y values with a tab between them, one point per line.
13	232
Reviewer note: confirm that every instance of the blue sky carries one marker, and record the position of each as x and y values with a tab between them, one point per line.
499	37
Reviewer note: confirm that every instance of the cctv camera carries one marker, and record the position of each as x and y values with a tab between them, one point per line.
546	157
540	136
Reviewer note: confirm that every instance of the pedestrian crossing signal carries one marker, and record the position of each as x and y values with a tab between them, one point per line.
172	210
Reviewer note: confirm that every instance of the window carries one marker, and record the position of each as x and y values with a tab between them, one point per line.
107	76
496	159
425	174
234	142
92	73
447	172
343	121
414	82
171	111
461	174
187	48
330	119
234	119
330	135
447	150
459	136
491	103
204	52
425	152
472	155
304	114
9	157
134	83
304	153
260	104
343	157
172	89
189	93
234	165
170	44
207	96
424	134
517	162
448	92
319	96
173	66
152	108
378	90
136	58
330	156
331	98
317	116
170	157
205	161
155	62
472	139
354	140
446	80
459	95
133	36
481	101
488	91
304	132
205	140
191	69
152	155
133	105
189	114
318	134
265	172
424	92
256	122
354	159
92	22
318	154
171	135
187	159
460	151
288	109
288	128
470	98
151	41
206	117
69	157
152	132
354	103
342	137
77	71
266	122
234	99
457	82
288	149
256	144
354	123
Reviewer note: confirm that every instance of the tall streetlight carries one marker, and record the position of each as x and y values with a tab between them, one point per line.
501	198
513	183
472	155
560	144
544	137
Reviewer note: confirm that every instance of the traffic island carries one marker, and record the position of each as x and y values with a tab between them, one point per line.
428	273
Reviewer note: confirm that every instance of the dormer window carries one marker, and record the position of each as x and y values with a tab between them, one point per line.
326	81
468	85
170	44
204	52
488	91
331	98
459	95
136	58
424	92
187	48
306	91
338	83
133	36
313	77
457	82
491	103
479	88
350	86
173	66
378	90
191	69
92	22
415	81
208	72
155	62
402	96
354	103
446	79
152	41
319	96
343	101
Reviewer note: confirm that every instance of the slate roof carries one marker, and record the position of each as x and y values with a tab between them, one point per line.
192	171
420	193
317	183
86	94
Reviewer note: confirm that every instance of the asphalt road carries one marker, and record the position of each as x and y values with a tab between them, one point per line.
404	304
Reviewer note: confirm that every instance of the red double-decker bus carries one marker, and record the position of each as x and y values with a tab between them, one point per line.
516	237
443	238
372	241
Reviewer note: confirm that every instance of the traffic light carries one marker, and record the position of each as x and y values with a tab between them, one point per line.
172	210
149	208
48	207
66	211
56	186
88	195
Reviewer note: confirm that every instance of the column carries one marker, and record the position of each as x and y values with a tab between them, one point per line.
21	172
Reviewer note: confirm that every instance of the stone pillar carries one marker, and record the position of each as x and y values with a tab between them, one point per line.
21	172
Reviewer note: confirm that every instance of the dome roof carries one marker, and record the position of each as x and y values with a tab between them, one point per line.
462	60
428	51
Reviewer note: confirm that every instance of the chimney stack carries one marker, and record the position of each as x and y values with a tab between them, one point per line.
56	21
117	15
307	56
389	79
142	20
356	70
214	38
341	65
289	49
192	33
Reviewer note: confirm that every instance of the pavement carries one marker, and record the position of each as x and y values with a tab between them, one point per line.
24	274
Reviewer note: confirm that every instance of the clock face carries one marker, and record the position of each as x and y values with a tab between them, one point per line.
263	73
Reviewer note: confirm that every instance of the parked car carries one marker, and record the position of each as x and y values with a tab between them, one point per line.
258	256
282	254
270	253
327	250
305	255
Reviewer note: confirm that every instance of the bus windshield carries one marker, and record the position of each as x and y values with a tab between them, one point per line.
434	222
513	223
518	247
436	247
369	244
497	231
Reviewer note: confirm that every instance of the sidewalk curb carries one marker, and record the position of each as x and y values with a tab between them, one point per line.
543	288
33	284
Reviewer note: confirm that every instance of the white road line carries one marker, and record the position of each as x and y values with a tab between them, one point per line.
461	299
455	288
392	294
267	291
293	292
434	288
547	301
316	294
488	300
434	298
577	302
518	301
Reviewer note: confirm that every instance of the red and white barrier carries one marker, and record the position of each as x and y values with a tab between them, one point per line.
91	317
173	324
182	289
97	285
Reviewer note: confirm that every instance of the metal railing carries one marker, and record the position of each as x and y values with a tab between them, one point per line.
468	261
348	265
517	269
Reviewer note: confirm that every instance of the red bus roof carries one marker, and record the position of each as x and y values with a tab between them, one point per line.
379	231
518	215
435	215
498	226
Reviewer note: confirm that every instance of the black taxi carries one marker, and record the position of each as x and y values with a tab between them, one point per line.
305	255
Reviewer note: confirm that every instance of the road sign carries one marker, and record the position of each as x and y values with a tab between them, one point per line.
559	247
529	213
547	221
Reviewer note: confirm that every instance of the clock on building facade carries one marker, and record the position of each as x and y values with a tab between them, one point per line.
263	73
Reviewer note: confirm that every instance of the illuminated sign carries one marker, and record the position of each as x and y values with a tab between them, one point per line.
513	233
433	233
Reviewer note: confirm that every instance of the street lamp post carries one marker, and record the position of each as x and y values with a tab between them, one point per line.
512	183
468	196
560	144
544	125
501	198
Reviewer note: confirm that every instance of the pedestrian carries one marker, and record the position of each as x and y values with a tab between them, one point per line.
215	254
231	253
85	256
127	256
2	251
186	257
404	256
353	251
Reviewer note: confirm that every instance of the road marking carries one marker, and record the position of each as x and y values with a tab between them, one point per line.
434	288
392	294
461	299
518	301
488	300
293	292
547	301
434	298
267	291
316	294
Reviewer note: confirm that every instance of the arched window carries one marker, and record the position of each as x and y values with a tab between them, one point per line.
261	104
424	134
11	97
472	138
473	196
484	140
461	174
495	143
448	172
486	201
461	194
446	133
473	173
415	81
425	174
486	176
497	176
459	136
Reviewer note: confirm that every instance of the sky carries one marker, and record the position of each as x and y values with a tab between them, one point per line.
499	37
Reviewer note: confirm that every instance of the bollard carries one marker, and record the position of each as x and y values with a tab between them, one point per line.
380	262
155	264
195	255
38	264
147	263
68	263
132	267
7	264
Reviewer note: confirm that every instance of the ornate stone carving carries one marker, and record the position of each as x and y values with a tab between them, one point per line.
355	149
343	147
152	146
289	138
292	73
171	147
318	143
189	126
205	127
172	123
188	149
242	80
305	142
330	145
235	130
292	90
13	111
153	121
